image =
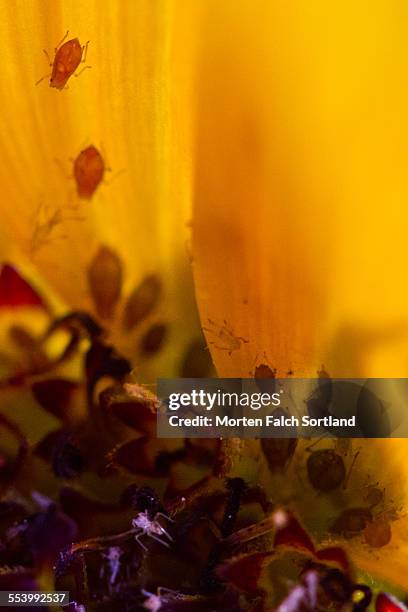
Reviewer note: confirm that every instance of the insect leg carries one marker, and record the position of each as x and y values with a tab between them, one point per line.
159	540
115	572
47	56
85	51
61	41
42	78
81	71
137	538
167	534
165	516
163	590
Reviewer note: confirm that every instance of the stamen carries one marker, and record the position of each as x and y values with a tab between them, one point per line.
105	277
153	339
142	301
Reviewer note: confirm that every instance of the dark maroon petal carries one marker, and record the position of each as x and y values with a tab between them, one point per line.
47	534
18	579
387	603
139	456
67	459
84	510
60	448
244	571
292	535
139	412
334	555
45	448
54	395
15	290
10	471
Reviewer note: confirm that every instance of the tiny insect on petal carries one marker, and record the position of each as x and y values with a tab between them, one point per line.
326	470
352	521
378	533
55	395
89	169
373	496
265	378
105	276
66	60
244	571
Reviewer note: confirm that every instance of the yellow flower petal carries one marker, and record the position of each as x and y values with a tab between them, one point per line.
133	105
300	216
300	193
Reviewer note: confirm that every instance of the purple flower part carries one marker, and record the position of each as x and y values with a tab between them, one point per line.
47	534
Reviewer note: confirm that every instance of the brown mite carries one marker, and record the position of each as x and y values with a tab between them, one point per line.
225	338
89	169
68	56
377	533
352	521
264	371
373	496
265	378
325	469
